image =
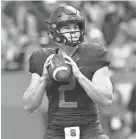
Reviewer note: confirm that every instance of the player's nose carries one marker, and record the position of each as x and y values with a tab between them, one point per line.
72	30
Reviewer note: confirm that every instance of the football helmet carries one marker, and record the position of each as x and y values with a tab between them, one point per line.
62	16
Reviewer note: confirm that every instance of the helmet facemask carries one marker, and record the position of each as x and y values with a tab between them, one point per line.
59	37
62	16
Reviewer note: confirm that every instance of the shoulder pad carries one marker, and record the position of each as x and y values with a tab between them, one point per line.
44	51
49	50
38	58
95	49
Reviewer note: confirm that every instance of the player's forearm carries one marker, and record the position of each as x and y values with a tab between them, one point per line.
33	97
98	94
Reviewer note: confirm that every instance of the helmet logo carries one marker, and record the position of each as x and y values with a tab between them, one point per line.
57	31
72	18
57	39
53	25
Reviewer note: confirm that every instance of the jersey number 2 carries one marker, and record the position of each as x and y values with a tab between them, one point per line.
62	89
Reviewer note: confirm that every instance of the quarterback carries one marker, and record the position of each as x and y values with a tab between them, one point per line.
73	105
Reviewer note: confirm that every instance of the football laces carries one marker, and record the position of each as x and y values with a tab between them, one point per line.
52	64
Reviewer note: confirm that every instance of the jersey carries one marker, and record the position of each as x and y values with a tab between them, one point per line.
69	104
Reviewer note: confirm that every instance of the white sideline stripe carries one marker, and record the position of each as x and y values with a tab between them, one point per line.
58	69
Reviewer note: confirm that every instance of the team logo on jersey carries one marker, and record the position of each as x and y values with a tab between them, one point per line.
76	57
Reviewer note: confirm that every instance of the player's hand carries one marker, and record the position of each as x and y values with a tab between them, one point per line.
73	64
45	67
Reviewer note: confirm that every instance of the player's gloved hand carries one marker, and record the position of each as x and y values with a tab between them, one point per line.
73	64
46	75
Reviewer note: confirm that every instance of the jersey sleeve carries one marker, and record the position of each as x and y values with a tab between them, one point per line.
32	68
36	62
99	55
103	60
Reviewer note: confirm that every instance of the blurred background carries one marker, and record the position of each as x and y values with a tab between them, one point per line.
111	23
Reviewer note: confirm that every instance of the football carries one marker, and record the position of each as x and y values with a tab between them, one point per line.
58	69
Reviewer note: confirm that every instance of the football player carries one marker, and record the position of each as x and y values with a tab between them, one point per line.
73	105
